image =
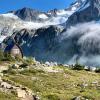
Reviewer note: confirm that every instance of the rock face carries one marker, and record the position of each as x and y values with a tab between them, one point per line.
89	11
28	14
22	93
33	19
37	43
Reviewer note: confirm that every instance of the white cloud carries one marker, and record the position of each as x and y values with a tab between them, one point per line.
86	38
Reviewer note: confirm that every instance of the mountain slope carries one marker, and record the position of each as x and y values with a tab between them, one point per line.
52	40
32	19
89	11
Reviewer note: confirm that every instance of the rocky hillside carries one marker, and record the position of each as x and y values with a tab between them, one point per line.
89	11
31	80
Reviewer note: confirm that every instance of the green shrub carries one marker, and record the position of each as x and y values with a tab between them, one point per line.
10	71
8	57
18	58
24	65
29	60
78	67
5	56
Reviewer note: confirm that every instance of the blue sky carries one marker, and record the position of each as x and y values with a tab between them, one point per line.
42	5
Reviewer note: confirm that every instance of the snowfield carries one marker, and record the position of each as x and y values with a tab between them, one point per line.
10	21
10	15
43	16
2	38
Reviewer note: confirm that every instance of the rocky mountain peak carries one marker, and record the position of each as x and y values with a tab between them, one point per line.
88	11
27	14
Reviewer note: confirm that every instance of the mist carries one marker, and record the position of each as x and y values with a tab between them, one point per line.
85	42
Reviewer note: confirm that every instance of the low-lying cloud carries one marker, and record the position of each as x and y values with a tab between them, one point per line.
86	40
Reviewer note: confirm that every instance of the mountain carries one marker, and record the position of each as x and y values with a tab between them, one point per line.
38	43
33	19
88	11
28	14
63	36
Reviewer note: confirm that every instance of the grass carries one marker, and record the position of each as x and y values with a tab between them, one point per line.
4	96
64	85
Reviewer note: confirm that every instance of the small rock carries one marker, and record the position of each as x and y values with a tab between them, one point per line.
47	63
84	85
21	93
36	97
96	82
34	78
79	98
6	85
15	66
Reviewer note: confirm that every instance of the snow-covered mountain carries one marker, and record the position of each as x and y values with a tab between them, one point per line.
88	11
63	36
32	19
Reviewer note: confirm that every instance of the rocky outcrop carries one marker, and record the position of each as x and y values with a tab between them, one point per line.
37	43
23	93
28	14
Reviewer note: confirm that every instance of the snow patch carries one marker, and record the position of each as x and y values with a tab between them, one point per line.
2	38
43	16
61	12
10	15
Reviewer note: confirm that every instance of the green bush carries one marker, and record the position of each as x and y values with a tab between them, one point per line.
8	57
29	61
10	71
5	56
18	58
78	67
24	65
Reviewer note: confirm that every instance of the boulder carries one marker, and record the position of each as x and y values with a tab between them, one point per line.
47	63
21	93
6	85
